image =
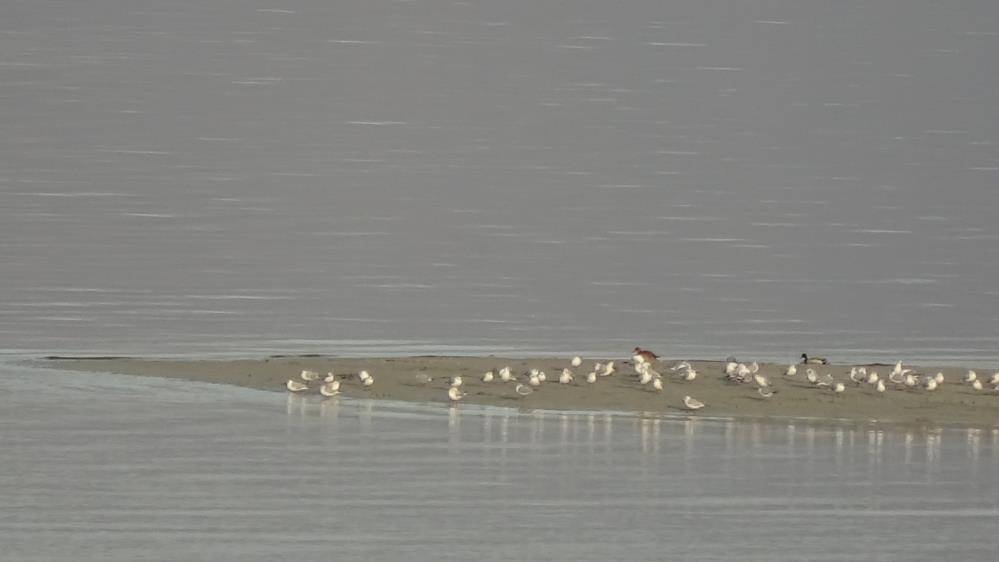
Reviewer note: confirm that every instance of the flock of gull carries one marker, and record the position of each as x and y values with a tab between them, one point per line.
644	363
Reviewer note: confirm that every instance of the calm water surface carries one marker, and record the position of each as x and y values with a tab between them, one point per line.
464	177
105	467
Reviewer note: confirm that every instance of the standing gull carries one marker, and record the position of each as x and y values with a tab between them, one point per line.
308	375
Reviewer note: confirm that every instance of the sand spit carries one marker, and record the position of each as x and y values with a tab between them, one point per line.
405	378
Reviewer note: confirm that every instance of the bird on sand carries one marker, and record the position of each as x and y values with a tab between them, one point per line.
505	374
644	355
296	386
791	371
456	381
692	403
487	377
839	388
308	375
576	361
898	369
423	378
565	377
455	394
608	369
657	383
765	392
330	377
591	377
805	359
522	389
330	389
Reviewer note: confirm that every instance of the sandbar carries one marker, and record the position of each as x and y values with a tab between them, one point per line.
399	378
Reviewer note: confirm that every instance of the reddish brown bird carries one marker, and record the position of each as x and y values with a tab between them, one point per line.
645	354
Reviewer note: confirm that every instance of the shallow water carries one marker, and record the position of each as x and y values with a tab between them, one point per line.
124	468
379	177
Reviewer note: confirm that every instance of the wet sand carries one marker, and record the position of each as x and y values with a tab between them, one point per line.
396	379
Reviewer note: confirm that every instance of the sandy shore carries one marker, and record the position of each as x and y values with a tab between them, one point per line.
396	379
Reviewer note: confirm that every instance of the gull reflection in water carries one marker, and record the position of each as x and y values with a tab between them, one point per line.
645	432
564	431
875	445
453	426
790	439
689	430
591	426
934	440
296	405
365	413
974	442
537	427
329	409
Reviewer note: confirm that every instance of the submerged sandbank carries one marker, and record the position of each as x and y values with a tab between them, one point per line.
396	379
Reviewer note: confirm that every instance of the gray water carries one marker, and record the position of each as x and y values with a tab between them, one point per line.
375	177
238	178
105	467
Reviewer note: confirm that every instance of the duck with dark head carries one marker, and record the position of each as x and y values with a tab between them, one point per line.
806	360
